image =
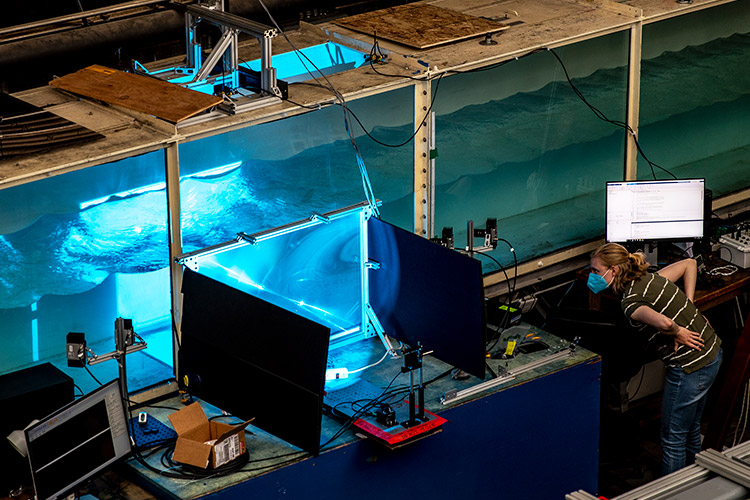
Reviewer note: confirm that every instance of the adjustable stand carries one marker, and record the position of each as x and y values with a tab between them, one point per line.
125	343
413	361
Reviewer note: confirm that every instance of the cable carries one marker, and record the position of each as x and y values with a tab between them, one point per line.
92	375
366	184
492	341
507	279
376	55
635	393
515	261
373	364
742	420
350	421
434	93
419	127
599	114
364	129
723	270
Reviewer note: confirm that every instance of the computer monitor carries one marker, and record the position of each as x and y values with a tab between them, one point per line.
654	211
77	441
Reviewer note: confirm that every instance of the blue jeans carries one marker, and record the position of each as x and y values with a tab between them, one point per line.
682	406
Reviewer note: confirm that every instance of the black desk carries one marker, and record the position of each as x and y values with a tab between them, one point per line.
724	288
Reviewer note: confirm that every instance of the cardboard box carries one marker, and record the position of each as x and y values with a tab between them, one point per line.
205	443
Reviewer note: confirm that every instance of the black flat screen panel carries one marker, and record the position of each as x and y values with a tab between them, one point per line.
254	359
427	293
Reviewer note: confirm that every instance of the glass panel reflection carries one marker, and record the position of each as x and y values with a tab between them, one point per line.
312	268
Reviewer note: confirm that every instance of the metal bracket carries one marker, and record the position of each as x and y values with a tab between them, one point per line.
241	236
315	216
231	25
227	40
379	330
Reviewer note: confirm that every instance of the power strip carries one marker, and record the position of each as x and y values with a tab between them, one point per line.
738	244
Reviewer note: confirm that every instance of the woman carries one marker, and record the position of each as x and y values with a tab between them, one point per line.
690	348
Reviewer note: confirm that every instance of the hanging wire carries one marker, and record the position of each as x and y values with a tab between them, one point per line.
366	184
599	114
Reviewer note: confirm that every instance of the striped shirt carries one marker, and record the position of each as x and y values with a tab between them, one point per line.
663	296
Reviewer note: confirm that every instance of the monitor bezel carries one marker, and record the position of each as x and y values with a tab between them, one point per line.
80	402
686	239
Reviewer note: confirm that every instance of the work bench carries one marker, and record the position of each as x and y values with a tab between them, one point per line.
541	421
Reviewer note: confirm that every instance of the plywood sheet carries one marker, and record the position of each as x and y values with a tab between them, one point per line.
162	99
420	25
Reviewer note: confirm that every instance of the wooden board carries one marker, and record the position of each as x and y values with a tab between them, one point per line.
162	99
420	25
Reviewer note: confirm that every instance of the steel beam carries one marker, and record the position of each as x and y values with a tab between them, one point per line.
634	96
233	21
174	228
422	167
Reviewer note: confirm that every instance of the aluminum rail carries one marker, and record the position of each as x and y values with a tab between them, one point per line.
667	486
453	396
580	495
233	21
737	471
708	463
243	239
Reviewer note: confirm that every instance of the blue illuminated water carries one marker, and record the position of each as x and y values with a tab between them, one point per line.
313	271
327	58
72	252
536	160
324	59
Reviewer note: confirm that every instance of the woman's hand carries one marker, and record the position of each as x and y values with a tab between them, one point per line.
688	338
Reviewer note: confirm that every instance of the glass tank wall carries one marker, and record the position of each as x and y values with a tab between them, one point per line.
78	251
311	268
515	143
695	97
264	176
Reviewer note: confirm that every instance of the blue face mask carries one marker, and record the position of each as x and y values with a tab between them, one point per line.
597	283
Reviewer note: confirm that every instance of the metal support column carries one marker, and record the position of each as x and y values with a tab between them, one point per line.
232	58
267	71
422	178
227	43
634	96
174	229
193	45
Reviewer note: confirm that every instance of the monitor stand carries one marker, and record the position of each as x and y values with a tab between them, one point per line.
651	251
